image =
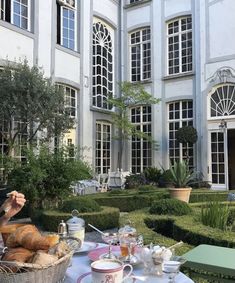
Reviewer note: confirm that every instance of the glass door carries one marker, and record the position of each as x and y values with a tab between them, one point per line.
218	160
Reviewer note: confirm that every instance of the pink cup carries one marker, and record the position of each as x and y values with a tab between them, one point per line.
109	270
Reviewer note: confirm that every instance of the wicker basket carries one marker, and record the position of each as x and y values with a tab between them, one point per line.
32	273
35	273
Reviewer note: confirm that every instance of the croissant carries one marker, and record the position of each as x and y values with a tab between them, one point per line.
18	254
30	238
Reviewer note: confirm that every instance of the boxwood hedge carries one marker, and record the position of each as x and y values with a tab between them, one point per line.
107	218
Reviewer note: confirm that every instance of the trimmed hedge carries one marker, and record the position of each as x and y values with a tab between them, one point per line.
129	203
207	196
107	218
81	204
190	230
137	219
170	206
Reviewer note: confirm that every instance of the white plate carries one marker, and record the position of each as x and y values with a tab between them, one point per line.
86	247
86	278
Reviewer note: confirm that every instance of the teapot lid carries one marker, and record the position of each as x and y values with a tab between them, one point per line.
75	219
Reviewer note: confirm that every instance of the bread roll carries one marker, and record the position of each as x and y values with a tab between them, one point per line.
18	254
43	258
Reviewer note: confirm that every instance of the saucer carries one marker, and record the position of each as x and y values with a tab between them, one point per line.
86	278
86	247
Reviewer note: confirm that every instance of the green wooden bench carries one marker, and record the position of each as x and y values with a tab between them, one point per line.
213	259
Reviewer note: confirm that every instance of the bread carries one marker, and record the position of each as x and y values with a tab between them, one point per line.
15	238
60	249
53	239
18	254
30	238
43	258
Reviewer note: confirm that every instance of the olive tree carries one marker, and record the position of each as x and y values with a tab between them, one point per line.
30	103
132	95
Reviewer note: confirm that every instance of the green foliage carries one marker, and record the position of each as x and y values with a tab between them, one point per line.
134	181
170	206
164	180
107	218
133	95
131	202
181	175
215	215
186	134
82	204
48	175
36	103
152	174
147	189
138	218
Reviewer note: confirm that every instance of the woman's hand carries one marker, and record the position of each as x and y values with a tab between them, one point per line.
13	204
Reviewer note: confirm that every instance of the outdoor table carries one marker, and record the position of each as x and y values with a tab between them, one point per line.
80	264
213	259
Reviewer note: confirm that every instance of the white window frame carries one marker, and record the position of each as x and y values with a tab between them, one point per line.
29	15
182	122
109	87
69	105
102	171
179	34
140	44
141	124
226	106
62	7
2	10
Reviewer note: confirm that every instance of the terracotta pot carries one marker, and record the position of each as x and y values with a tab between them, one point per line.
182	194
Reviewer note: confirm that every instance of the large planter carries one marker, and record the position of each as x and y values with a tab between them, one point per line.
182	194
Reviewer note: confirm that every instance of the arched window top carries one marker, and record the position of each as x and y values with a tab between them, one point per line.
102	36
222	101
103	69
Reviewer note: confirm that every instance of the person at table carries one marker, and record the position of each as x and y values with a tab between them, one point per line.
11	206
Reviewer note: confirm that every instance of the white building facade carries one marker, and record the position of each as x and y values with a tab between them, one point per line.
182	51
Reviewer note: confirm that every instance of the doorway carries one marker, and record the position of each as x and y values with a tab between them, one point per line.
231	158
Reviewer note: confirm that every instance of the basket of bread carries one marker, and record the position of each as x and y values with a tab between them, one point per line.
30	256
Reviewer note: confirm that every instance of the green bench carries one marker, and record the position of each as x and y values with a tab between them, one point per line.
213	259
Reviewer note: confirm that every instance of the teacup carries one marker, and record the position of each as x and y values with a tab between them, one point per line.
171	266
109	270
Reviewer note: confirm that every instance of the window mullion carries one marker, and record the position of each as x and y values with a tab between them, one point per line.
180	47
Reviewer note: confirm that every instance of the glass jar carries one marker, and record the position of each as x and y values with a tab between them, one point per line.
76	226
127	240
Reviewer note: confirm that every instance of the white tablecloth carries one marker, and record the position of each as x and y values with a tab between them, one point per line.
81	265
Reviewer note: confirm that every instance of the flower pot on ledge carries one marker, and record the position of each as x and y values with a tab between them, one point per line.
182	194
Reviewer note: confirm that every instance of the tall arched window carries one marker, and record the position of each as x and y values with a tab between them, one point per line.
102	64
222	101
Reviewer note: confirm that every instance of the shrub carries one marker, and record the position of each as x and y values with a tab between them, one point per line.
186	134
82	204
107	218
152	175
164	180
181	175
146	189
135	180
170	206
47	176
215	215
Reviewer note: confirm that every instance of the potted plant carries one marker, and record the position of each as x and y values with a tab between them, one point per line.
181	176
